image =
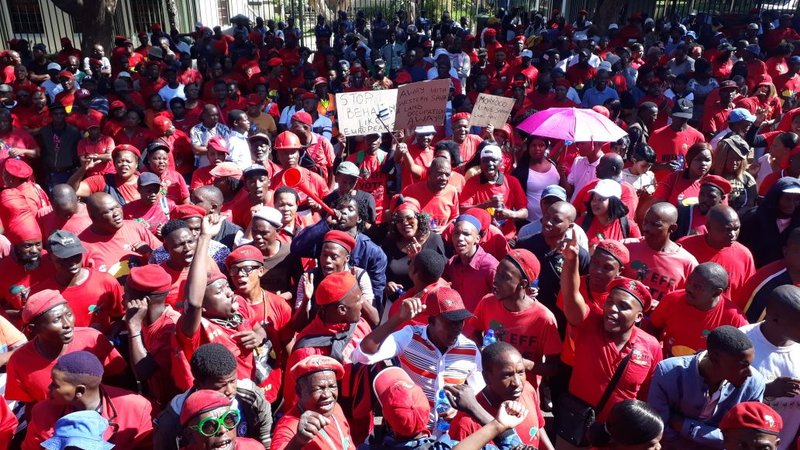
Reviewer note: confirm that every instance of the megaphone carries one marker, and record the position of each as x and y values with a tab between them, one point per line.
293	178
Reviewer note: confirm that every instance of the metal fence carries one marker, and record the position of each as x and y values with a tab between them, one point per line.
668	8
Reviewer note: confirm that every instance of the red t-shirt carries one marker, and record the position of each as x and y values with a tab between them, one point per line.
373	179
8	424
129	191
598	232
131	416
533	331
442	206
669	145
151	216
157	338
29	373
275	315
468	148
202	177
111	253
16	282
675	188
478	190
175	186
662	272
597	357
102	147
464	425
421	157
686	327
595	301
736	260
49	221
95	303
336	434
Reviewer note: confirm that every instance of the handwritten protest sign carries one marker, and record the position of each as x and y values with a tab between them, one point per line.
491	110
421	103
357	112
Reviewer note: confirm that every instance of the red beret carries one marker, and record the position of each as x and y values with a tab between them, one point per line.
335	287
342	238
162	124
406	204
22	226
615	249
18	168
718	182
148	279
309	96
460	116
187	211
116	104
563	82
244	253
314	364
274	62
302	116
202	401
482	215
41	302
635	288
126	148
490	32
66	74
403	403
752	415
92	121
218	144
526	262
215	276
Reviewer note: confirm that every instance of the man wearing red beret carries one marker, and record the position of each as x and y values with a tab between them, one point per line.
606	340
692	218
52	326
753	425
719	245
318	154
151	326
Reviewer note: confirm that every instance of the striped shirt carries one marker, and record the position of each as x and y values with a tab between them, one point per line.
425	364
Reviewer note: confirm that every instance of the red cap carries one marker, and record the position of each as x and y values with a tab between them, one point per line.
253	99
752	415
126	148
764	79
446	302
226	169
187	211
302	116
342	238
274	62
314	364
404	405
116	104
320	80
162	124
18	168
308	96
490	32
82	93
66	74
563	82
718	182
215	276
151	278
635	288
244	253
526	262
218	144
335	287
92	121
41	302
482	215
615	249
460	116
602	110
202	401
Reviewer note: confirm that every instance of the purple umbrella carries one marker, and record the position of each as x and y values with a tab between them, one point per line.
572	124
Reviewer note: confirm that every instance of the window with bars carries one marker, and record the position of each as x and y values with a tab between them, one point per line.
26	16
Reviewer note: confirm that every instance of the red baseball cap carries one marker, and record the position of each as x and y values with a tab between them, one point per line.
302	116
320	80
635	288
615	249
526	262
314	364
335	287
244	253
752	415
41	302
116	104
18	168
226	169
187	211
202	401
66	74
342	238
446	302
218	144
404	405
151	278
718	182
162	124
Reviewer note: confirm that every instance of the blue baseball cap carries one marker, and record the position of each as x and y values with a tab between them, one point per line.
81	429
739	115
555	190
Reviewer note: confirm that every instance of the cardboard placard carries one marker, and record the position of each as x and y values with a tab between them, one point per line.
491	110
421	103
357	112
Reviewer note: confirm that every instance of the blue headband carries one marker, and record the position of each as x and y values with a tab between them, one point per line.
471	219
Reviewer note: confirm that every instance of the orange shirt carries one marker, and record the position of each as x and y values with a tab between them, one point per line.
442	206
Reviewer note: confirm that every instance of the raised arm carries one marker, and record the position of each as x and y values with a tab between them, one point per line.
189	322
575	307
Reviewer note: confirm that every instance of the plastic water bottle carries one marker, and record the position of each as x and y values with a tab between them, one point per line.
442	406
488	338
681	161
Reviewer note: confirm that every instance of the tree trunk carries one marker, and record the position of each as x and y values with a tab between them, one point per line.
607	12
96	18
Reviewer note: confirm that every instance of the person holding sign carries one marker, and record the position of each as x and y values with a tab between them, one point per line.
416	157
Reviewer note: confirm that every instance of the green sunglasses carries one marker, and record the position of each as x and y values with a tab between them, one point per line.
210	426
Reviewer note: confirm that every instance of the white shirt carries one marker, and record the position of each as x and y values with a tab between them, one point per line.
718	137
646	181
239	150
581	174
773	362
167	93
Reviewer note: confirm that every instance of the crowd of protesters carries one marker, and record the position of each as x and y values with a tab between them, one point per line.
194	256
